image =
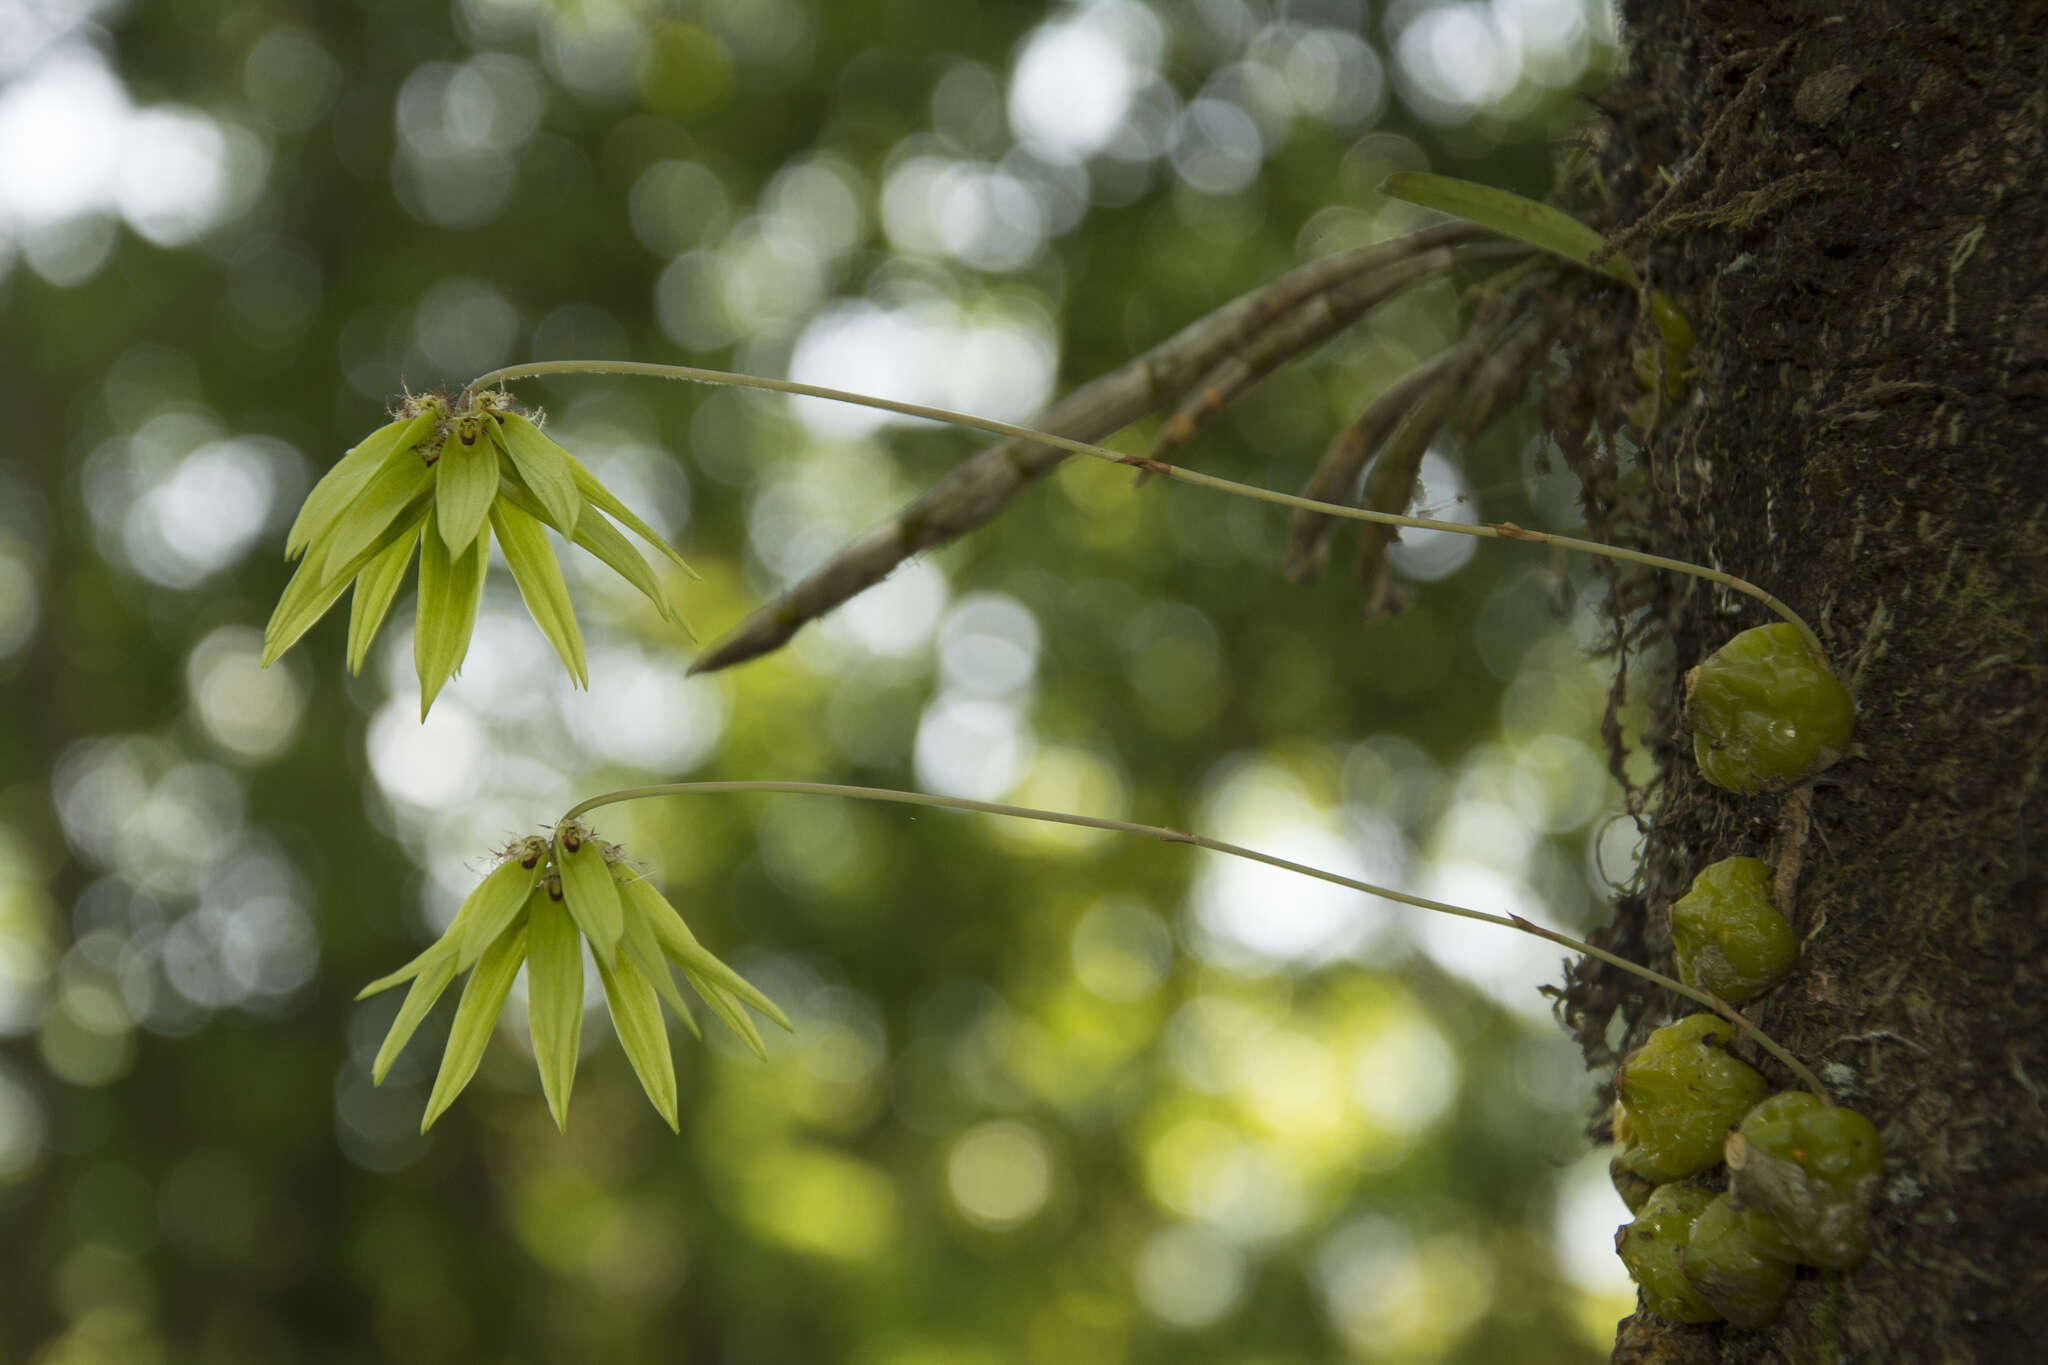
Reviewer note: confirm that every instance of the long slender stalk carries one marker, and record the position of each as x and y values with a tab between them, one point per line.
1499	531
1174	836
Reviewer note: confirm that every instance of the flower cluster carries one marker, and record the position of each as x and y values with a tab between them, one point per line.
443	478
537	907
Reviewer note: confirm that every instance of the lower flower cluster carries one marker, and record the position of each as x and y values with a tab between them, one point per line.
546	898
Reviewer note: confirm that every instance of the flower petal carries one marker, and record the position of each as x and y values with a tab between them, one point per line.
430	956
306	598
597	495
352	473
588	888
636	1016
465	483
475	1018
404	478
426	989
539	577
645	950
602	539
554	998
450	588
693	957
491	908
376	585
544	468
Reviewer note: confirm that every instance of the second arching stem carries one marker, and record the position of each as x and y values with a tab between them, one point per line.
1179	474
1174	836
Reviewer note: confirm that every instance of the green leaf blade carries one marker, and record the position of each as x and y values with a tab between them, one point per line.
539	576
1511	215
554	999
475	1018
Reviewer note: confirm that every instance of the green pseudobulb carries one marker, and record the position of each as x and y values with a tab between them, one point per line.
1811	1169
1730	1265
1765	714
1728	935
1682	1092
1653	1248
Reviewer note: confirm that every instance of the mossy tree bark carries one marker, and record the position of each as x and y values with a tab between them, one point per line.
1850	200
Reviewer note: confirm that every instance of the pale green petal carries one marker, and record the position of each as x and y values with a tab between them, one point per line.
539	577
729	1010
465	484
636	1015
376	585
450	588
426	989
339	486
602	539
368	520
306	598
554	998
681	945
475	1018
597	495
645	949
432	954
491	908
593	898
544	468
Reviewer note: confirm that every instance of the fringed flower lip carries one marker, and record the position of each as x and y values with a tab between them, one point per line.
444	478
546	898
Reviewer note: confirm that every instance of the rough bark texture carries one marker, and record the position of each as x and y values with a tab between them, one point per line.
1858	230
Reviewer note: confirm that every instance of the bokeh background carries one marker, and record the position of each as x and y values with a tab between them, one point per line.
1053	1096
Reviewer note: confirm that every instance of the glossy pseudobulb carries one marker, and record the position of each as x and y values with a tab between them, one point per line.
1728	935
1765	714
1732	1266
1682	1091
1812	1169
1653	1248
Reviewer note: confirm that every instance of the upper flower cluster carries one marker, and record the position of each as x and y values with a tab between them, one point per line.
444	477
537	907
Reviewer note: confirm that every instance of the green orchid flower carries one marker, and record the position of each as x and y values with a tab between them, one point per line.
441	480
537	907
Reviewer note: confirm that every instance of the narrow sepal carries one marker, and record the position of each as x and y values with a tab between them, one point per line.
554	998
539	576
694	958
588	888
465	483
491	908
544	468
602	498
314	587
369	518
376	585
482	997
450	588
427	986
644	948
338	487
428	957
603	540
636	1016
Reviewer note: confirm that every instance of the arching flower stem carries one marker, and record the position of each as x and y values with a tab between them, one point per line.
1174	836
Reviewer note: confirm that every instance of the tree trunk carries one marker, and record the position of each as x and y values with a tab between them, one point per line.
1848	201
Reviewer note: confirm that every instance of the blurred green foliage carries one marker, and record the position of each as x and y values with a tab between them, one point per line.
1053	1095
